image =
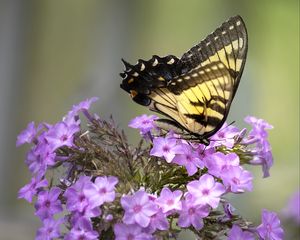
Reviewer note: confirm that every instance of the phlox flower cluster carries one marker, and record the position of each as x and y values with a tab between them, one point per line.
97	205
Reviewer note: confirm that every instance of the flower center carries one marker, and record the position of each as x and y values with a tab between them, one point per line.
170	202
236	180
166	148
189	158
221	134
145	122
82	237
47	204
102	190
205	192
192	211
130	236
64	138
81	198
269	227
137	208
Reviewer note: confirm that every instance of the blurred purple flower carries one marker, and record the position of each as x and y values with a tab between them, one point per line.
103	190
188	158
169	200
270	228
228	210
27	135
206	190
236	233
262	152
82	230
237	179
218	162
50	229
84	105
145	123
166	147
225	136
30	189
192	213
292	209
138	208
61	134
259	127
48	204
158	222
130	232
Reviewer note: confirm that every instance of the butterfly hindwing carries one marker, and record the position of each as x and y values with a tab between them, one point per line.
196	91
200	99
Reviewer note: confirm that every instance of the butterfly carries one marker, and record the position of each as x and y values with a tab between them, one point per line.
195	92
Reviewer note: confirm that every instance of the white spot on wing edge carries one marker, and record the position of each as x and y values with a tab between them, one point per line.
171	61
155	62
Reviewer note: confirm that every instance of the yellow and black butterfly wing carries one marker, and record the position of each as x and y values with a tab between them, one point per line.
227	44
196	91
198	101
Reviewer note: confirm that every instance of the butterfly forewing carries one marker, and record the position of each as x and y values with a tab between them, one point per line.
227	44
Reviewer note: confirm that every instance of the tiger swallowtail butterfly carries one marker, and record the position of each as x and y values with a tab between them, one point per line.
195	92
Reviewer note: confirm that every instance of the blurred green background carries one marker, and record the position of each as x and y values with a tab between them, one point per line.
56	53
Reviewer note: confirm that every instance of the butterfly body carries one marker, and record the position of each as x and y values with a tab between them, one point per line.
195	92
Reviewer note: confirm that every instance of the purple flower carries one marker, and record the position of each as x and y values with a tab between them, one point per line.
292	210
219	162
83	230
144	123
158	222
237	179
49	230
228	210
192	213
259	126
86	104
270	228
39	157
27	135
61	134
166	147
205	151
130	232
30	189
188	158
206	190
236	233
78	201
103	190
72	117
48	204
262	154
169	200
138	208
225	136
